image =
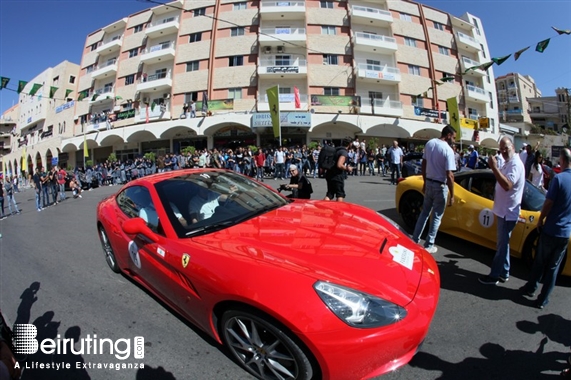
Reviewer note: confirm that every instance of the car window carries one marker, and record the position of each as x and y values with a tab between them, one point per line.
136	201
207	198
483	187
533	198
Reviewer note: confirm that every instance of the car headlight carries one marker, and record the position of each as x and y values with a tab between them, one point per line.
358	309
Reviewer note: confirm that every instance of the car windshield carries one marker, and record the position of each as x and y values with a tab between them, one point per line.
208	201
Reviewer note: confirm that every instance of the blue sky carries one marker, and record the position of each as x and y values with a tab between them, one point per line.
34	35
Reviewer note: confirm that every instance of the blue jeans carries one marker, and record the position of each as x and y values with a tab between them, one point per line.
12	201
279	170
550	253
501	262
260	172
38	198
45	196
435	197
395	168
61	191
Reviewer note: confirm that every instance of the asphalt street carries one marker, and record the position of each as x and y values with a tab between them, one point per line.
53	274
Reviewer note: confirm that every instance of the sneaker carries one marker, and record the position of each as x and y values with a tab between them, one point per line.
432	249
503	279
487	280
39	209
526	291
540	304
80	196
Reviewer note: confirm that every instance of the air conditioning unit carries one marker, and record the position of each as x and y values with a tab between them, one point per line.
267	49
281	49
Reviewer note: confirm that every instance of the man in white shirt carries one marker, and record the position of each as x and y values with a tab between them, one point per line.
395	159
279	161
510	182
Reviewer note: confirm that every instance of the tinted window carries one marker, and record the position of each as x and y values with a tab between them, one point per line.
136	201
533	198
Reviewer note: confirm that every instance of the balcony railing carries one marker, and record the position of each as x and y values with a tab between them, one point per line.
475	89
108	63
156	76
376	37
374	11
159	47
467	37
164	21
284	31
468	63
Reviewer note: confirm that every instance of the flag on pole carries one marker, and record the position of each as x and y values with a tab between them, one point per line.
4	82
53	91
296	97
21	85
541	46
454	118
67	92
519	52
35	88
274	101
85	150
24	160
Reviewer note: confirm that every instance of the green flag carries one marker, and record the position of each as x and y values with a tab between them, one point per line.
82	95
67	92
519	52
485	66
447	79
274	101
94	97
541	46
454	118
35	89
4	82
118	97
153	105
21	85
501	60
561	31
53	91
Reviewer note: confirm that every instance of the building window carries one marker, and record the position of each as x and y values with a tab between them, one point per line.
405	17
375	95
238	31
93	47
330	59
326	4
417	101
483	51
373	65
195	37
240	5
328	29
443	50
199	12
55	81
129	79
236	60
133	52
331	91
192	66
138	28
283	60
410	41
89	68
190	96
413	70
438	25
235	93
491	100
71	79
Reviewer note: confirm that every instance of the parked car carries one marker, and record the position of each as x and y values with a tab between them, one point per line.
283	284
412	164
471	217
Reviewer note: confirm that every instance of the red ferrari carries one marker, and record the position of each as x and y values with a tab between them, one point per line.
294	289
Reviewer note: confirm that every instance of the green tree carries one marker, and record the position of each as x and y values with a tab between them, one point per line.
188	149
112	157
150	156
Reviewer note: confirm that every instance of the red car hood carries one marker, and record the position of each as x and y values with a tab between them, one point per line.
338	242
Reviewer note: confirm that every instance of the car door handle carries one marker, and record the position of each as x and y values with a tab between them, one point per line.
461	201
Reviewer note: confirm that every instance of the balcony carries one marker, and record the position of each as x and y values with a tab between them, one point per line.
513	112
476	94
160	81
468	63
282	10
105	70
102	94
287	102
371	16
280	67
378	73
98	123
158	112
110	46
158	53
374	43
384	107
468	43
164	27
277	36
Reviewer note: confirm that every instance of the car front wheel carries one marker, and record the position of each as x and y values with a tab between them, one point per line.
263	347
109	254
410	208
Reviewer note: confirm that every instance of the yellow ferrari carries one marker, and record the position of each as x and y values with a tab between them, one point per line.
471	217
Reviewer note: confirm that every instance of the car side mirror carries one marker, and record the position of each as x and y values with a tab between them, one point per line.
136	226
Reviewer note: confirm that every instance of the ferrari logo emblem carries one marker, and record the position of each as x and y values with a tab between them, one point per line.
185	260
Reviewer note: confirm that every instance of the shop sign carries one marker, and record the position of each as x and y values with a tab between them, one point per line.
126	114
287	119
427	112
283	69
65	106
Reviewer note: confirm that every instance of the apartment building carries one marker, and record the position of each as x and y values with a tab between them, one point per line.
43	120
513	91
551	112
370	69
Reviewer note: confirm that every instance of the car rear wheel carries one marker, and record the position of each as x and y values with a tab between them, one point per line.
109	254
263	347
410	208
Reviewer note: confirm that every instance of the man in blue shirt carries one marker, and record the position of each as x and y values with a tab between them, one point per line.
554	226
472	158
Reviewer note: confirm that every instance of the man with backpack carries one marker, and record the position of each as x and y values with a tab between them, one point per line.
334	161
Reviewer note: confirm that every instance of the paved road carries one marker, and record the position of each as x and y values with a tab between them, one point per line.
53	274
